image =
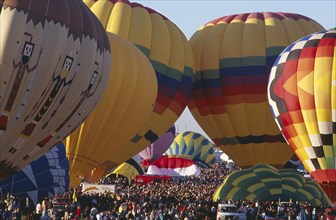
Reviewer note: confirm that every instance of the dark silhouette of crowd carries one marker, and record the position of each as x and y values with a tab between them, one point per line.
187	198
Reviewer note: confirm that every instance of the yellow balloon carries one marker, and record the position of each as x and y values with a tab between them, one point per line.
233	56
53	72
125	106
169	53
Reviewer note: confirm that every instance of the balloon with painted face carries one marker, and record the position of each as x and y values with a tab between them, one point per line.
54	70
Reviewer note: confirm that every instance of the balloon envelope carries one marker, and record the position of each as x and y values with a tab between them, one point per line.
169	52
129	169
156	149
45	177
233	57
194	145
266	183
302	97
100	143
173	166
53	72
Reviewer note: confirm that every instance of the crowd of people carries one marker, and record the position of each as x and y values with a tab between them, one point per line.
188	198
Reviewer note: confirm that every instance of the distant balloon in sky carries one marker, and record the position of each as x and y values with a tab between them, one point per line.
302	95
156	149
53	72
233	58
100	143
45	177
169	52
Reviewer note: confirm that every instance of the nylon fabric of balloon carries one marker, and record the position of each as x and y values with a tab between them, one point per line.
194	145
263	182
156	149
168	51
302	98
54	70
233	57
173	166
47	175
100	143
129	169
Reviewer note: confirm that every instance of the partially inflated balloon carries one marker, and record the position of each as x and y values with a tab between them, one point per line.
101	142
265	183
54	69
173	166
47	176
233	58
168	51
156	149
302	95
193	144
129	169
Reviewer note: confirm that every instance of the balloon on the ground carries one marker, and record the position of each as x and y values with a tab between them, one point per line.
45	177
129	169
302	96
266	183
54	70
173	166
193	144
156	149
169	52
233	57
100	143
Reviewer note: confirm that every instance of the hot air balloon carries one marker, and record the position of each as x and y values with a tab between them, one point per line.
194	145
173	166
233	57
169	53
156	149
99	144
266	183
45	177
128	169
53	72
302	97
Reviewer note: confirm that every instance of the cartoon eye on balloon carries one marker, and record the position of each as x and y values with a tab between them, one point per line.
234	55
302	96
47	59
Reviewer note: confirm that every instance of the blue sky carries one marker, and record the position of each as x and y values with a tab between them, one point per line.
191	15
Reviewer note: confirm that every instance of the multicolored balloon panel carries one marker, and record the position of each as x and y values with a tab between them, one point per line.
168	51
193	145
129	169
266	183
233	57
156	149
53	72
302	97
47	176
